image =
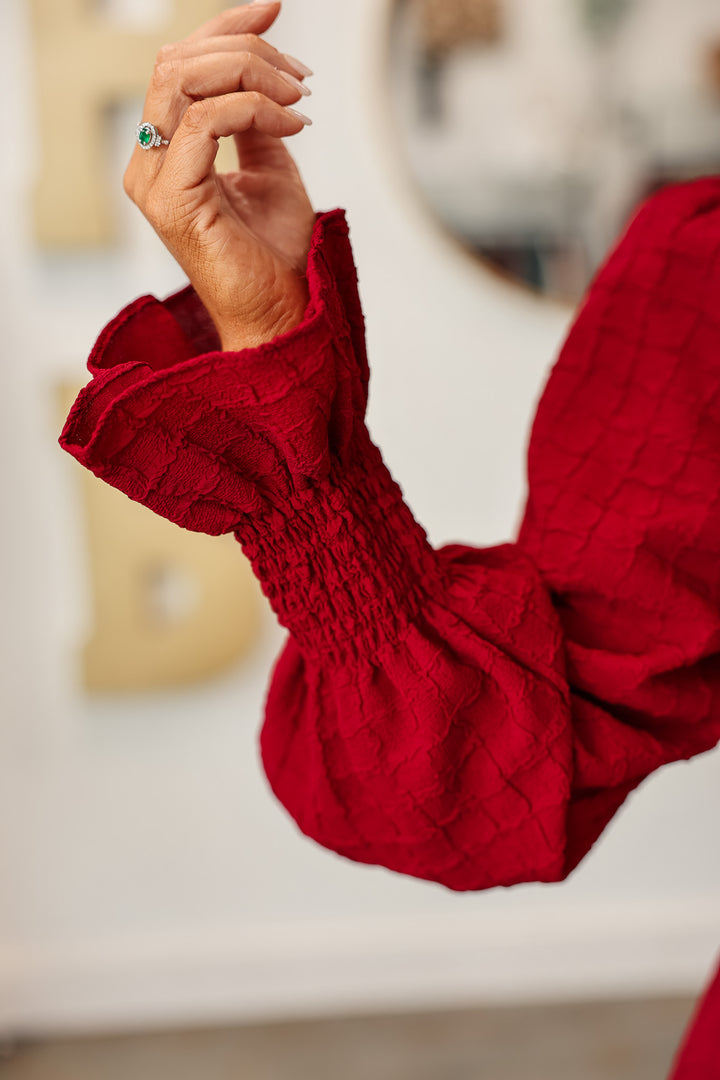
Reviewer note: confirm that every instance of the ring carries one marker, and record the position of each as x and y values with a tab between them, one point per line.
148	136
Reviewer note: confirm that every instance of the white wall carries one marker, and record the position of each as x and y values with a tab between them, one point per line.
147	874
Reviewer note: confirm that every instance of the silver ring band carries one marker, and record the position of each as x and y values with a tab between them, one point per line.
148	136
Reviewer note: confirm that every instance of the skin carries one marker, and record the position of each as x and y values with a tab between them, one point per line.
243	237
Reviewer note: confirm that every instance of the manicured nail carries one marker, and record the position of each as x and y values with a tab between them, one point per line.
301	116
297	65
295	83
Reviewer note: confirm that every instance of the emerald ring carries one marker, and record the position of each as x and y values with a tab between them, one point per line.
148	136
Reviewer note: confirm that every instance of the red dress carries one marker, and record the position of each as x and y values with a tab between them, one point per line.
469	716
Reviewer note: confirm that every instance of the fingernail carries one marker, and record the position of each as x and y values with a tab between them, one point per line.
301	116
304	90
302	69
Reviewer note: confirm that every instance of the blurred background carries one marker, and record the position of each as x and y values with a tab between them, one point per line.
160	915
534	129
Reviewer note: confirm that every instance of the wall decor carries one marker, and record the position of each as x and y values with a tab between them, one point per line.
84	65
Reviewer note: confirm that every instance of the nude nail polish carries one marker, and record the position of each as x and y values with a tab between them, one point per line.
301	116
295	83
297	65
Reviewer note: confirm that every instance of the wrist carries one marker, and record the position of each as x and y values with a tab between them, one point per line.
238	332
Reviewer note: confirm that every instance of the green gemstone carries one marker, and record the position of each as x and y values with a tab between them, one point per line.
146	136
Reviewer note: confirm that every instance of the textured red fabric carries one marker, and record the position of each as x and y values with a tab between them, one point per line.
699	1055
469	716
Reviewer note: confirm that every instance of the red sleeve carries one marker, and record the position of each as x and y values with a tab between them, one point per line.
472	717
698	1057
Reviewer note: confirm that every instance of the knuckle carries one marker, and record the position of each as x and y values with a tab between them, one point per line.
197	115
165	53
166	73
249	43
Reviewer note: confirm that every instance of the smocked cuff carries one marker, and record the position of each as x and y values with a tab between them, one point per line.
344	564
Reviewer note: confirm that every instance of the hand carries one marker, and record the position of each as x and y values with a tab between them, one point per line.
242	237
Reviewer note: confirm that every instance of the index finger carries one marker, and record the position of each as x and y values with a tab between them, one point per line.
253	18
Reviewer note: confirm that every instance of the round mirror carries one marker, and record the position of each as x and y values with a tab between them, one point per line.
533	127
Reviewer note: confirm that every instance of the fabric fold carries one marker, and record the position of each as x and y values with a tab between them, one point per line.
473	717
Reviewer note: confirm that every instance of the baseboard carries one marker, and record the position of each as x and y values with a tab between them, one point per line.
270	971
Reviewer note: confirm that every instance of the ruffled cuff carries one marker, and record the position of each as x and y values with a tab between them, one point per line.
268	443
203	438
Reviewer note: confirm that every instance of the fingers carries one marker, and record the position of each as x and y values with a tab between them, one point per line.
253	18
180	75
223	73
194	95
181	50
191	155
185	77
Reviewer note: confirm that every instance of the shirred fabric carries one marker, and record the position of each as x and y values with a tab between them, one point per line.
469	716
473	717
